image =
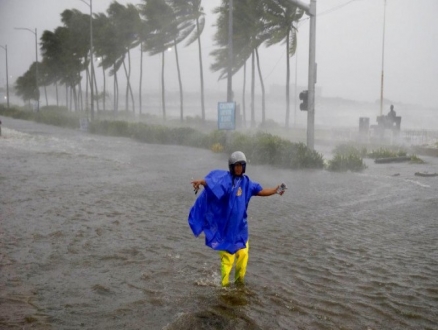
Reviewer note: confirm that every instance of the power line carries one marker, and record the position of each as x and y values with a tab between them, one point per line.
328	11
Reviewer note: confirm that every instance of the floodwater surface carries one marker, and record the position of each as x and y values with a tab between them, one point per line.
94	235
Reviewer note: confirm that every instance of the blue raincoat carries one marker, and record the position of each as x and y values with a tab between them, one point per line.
220	211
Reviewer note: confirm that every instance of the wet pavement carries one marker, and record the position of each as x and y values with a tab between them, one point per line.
94	235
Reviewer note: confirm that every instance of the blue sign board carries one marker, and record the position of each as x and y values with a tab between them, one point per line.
226	115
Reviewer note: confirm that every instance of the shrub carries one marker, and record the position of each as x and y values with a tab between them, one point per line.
347	158
342	163
264	148
386	153
260	148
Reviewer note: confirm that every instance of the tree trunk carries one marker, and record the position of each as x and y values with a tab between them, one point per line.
96	92
181	100
287	81
80	97
87	81
66	97
163	100
45	93
263	87
57	95
75	98
244	95
104	89
201	71
116	90
252	89
141	79
128	89
129	81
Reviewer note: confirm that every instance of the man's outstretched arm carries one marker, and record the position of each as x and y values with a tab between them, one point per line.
270	191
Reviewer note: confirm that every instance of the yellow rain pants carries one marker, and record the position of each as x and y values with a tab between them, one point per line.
227	262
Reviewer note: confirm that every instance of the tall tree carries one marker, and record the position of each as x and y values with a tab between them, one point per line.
143	37
191	23
127	23
281	16
249	32
60	50
76	22
162	26
26	87
108	48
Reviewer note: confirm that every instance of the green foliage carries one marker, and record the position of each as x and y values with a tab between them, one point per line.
260	148
217	136
57	116
26	85
264	148
347	158
342	163
386	153
14	112
416	160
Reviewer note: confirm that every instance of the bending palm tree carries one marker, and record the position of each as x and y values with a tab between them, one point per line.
161	24
191	18
281	16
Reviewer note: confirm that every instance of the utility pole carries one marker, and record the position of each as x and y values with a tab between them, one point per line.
383	60
7	74
311	11
230	52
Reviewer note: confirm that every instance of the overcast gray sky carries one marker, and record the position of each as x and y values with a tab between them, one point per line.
349	48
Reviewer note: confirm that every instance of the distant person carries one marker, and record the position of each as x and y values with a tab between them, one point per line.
392	114
220	212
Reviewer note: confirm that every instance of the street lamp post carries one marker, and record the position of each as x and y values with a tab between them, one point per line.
36	63
91	57
383	60
7	74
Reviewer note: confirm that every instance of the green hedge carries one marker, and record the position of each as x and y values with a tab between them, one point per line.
260	148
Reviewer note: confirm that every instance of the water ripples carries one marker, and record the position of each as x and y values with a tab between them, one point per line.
94	235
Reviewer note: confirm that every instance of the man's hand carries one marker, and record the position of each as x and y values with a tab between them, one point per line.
196	184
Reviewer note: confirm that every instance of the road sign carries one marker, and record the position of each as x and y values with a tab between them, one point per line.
226	115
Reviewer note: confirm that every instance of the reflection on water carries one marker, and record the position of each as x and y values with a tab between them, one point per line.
94	235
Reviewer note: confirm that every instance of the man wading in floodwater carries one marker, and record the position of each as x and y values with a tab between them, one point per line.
220	212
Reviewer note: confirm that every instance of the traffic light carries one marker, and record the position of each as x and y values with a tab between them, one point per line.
305	98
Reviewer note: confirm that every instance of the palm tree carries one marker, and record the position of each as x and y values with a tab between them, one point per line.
105	47
281	16
60	49
191	18
26	86
127	24
249	32
143	36
162	26
76	22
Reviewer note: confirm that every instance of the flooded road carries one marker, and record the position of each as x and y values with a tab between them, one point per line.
94	235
